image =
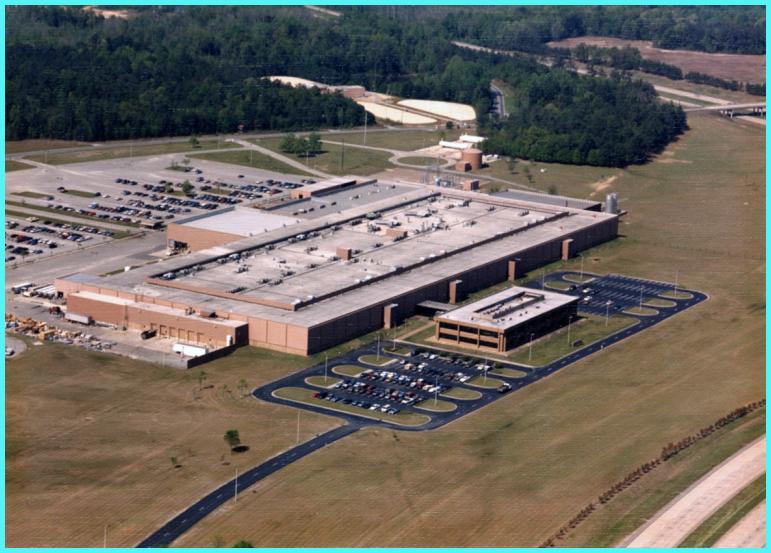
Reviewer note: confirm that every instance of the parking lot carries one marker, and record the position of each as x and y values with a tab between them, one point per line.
147	191
373	386
36	237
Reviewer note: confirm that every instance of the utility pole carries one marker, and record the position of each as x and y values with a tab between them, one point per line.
365	127
677	275
607	312
342	156
530	353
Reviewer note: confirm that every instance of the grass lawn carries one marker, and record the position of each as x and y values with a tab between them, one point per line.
75	215
382	361
353	161
116	233
348	370
30	194
437	406
13	165
558	285
81	193
31	145
642	311
555	345
399	350
677	295
463	394
728	515
422	160
126	150
658	302
320	381
505	371
303	395
482	382
252	159
404	140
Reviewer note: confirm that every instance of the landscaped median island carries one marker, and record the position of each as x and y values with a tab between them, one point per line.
485	382
322	381
462	394
348	370
510	373
377	361
641	311
305	396
13	165
659	302
436	405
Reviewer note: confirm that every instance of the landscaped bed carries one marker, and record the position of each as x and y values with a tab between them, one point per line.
348	370
437	405
322	381
463	394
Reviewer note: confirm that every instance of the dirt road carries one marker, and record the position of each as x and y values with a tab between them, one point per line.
685	513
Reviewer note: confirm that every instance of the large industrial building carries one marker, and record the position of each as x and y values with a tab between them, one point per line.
301	280
506	320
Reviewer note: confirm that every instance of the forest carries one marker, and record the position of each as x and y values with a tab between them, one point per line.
182	70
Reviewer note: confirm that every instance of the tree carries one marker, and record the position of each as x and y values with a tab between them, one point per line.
314	143
553	190
243	387
187	188
243	543
232	438
194	142
201	378
288	144
174	462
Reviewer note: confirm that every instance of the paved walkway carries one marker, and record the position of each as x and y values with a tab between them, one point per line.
670	526
748	532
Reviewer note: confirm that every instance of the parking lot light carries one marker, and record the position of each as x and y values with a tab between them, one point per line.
607	311
570	319
530	353
326	362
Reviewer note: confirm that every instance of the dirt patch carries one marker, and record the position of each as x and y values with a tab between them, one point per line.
604	184
741	67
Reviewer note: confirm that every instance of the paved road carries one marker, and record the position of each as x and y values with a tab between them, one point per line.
675	522
190	516
748	532
500	102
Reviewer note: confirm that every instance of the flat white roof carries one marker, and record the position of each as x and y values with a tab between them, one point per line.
242	222
508	308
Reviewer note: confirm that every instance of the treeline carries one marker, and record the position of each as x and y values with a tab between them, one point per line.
558	116
667	452
625	59
749	88
737	29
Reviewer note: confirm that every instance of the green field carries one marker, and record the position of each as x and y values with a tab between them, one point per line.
728	515
403	140
337	160
13	165
422	160
556	345
303	395
251	158
126	150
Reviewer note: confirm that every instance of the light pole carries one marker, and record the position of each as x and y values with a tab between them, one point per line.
641	296
581	278
570	319
607	311
326	362
530	353
436	389
543	279
235	484
677	274
378	347
298	426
